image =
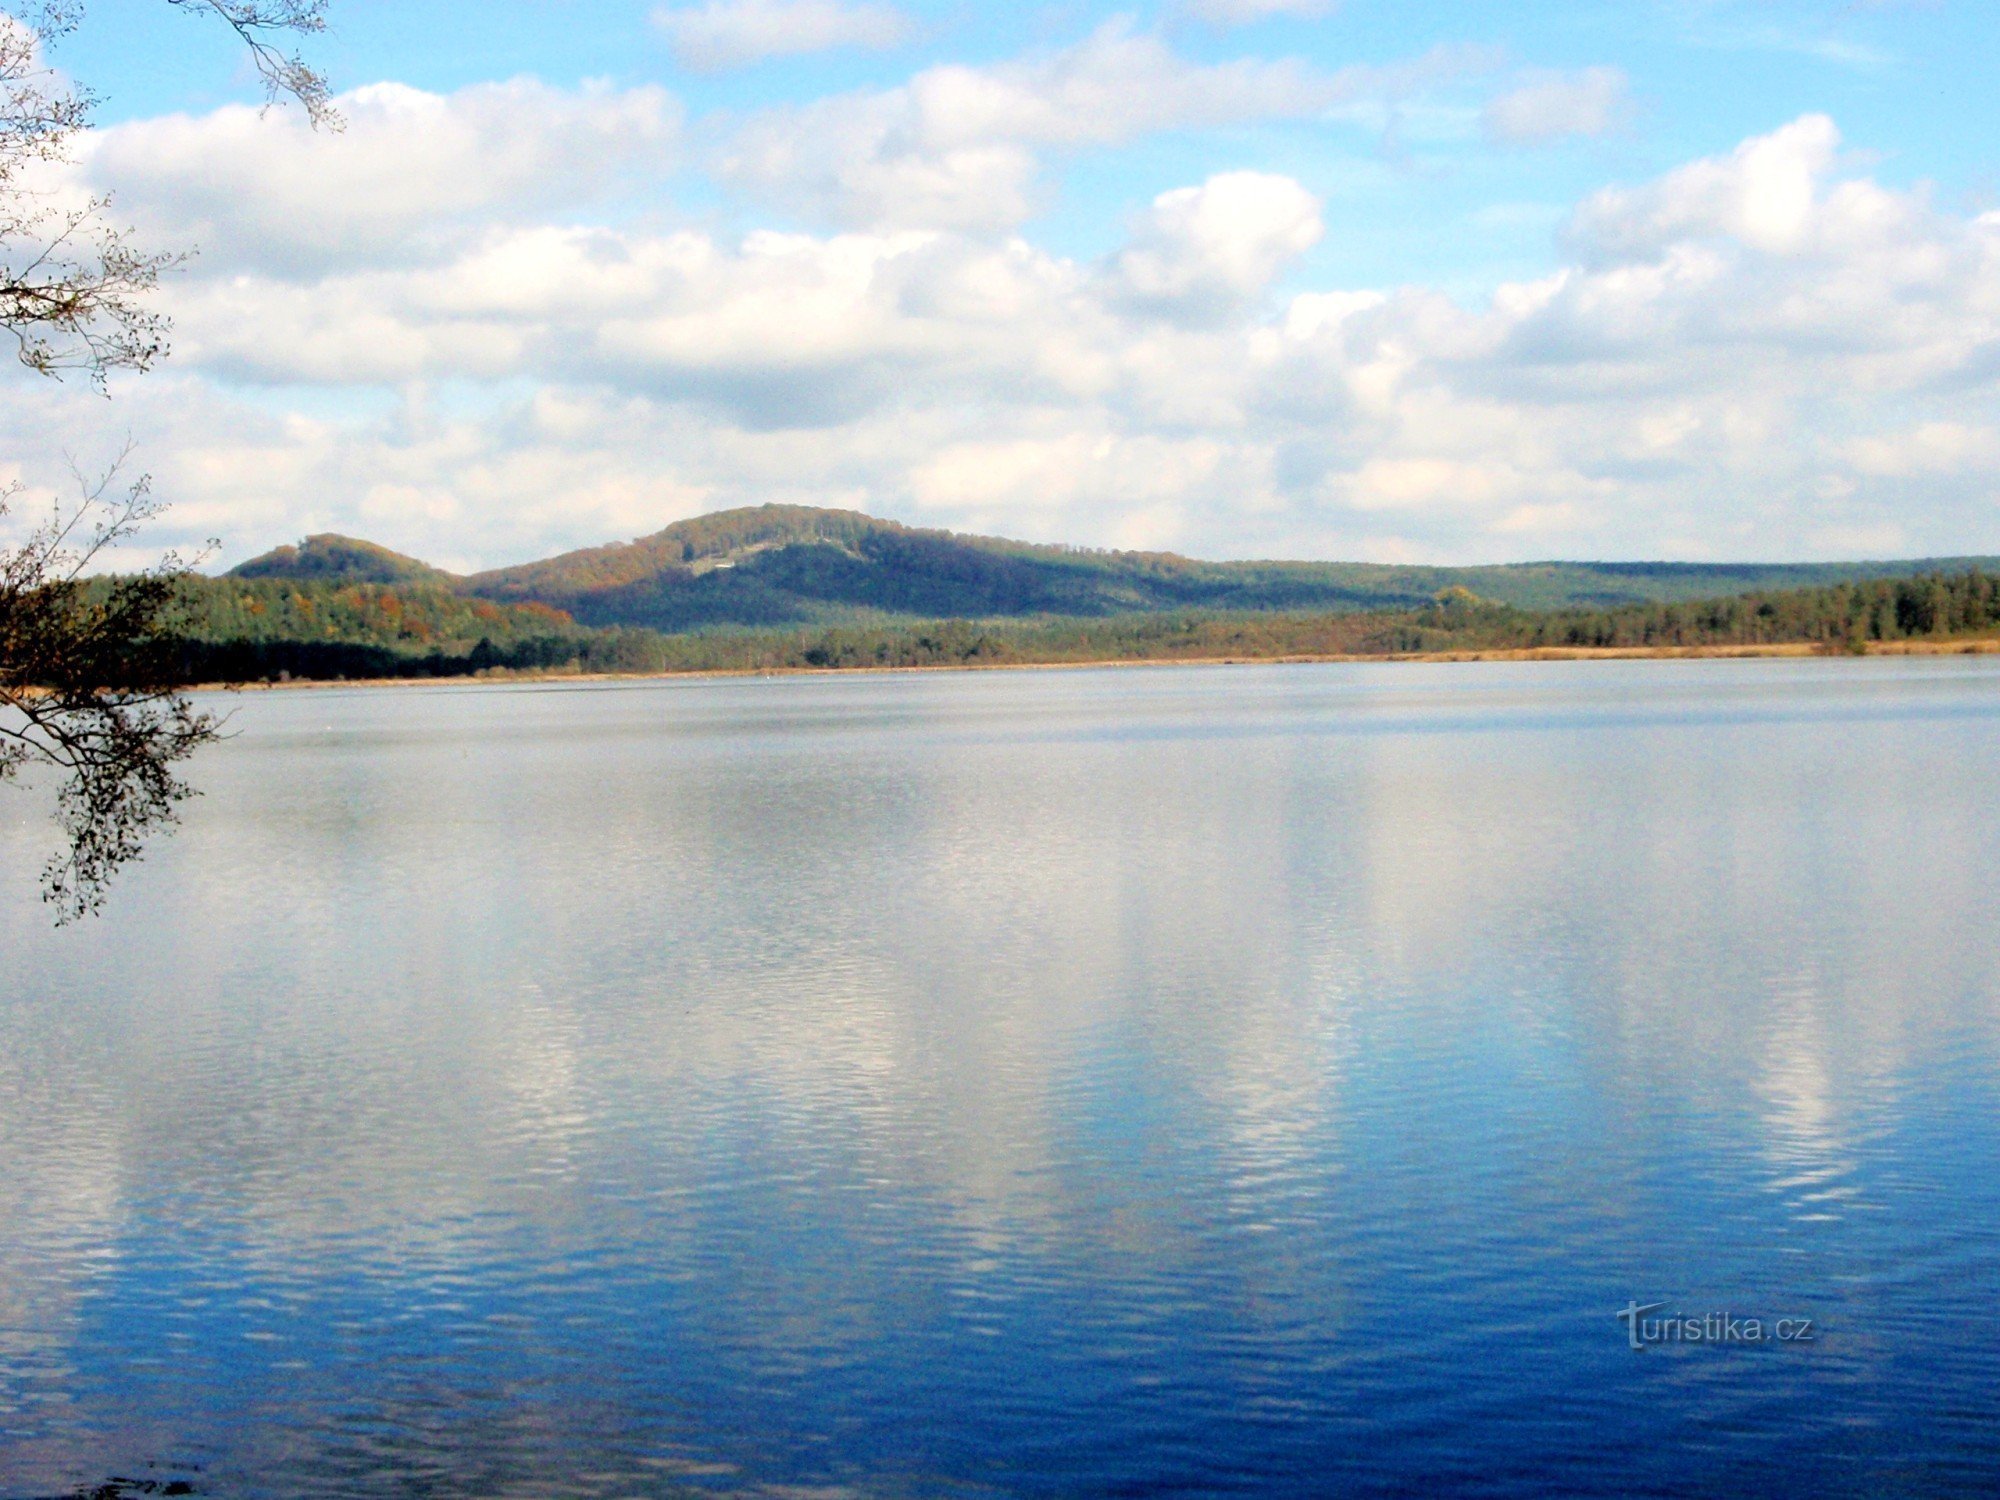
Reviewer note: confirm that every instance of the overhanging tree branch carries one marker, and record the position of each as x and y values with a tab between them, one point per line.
72	284
90	668
285	75
88	676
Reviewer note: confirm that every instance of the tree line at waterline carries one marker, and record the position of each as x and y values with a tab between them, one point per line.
243	631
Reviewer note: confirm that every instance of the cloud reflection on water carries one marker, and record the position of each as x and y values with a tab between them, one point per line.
686	1048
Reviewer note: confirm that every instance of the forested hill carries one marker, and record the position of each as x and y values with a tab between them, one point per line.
237	630
334	624
340	559
781	565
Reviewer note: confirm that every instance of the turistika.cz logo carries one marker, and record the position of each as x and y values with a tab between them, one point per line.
1643	1332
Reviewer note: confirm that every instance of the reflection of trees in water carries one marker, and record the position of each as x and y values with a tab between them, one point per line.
125	1489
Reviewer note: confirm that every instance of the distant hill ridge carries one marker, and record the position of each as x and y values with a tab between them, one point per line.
775	565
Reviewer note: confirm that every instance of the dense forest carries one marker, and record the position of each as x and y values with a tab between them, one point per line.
341	559
787	566
236	630
239	629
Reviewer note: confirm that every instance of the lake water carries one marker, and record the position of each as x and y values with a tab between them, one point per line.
1081	1083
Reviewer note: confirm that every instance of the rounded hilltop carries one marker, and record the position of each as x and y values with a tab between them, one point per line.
328	557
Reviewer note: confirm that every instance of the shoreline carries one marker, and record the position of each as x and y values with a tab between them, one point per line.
1965	646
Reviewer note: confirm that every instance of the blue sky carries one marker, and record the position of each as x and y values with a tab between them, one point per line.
1713	278
1909	82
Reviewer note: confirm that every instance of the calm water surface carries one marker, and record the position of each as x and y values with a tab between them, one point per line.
1072	1083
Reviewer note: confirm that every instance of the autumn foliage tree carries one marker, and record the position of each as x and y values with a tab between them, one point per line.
88	689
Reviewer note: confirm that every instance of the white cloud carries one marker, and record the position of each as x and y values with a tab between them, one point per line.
1247	12
1763	193
959	147
1764	352
723	34
265	189
1213	247
1928	448
1552	106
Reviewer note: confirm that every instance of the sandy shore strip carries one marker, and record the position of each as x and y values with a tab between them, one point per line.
501	676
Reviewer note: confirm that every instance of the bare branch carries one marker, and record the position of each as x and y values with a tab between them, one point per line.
285	75
73	288
72	297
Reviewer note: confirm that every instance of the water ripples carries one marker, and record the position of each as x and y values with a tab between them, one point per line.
1053	1083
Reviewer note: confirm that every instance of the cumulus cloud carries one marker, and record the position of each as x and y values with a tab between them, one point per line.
1764	194
959	147
1209	249
1246	12
1553	106
265	189
1762	352
723	34
773	331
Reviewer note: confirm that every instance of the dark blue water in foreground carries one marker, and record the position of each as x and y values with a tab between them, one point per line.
1082	1083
